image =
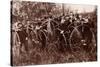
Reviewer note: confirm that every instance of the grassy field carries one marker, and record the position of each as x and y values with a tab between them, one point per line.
49	55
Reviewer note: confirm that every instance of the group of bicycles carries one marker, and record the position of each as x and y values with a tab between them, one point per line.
70	32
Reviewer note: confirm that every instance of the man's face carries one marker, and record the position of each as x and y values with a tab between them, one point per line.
20	25
80	16
28	23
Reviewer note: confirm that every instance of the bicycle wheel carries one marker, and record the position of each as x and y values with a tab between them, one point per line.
75	39
16	44
42	38
81	37
62	39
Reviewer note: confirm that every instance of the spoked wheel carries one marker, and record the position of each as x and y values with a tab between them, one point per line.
42	37
81	38
75	39
62	38
16	44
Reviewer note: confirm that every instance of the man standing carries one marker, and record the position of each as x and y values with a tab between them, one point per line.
22	35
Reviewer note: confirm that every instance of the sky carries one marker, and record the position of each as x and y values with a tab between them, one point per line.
80	8
83	8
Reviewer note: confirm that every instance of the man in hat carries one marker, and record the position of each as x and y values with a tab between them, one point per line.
19	28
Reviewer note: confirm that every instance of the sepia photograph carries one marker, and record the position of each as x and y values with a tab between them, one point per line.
52	33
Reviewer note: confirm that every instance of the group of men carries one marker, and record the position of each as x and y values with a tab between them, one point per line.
24	30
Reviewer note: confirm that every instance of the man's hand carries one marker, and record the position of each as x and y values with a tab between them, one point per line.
19	43
62	32
26	38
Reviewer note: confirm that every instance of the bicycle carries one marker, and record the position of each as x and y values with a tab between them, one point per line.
81	35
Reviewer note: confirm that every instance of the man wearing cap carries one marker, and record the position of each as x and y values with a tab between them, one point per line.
19	28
